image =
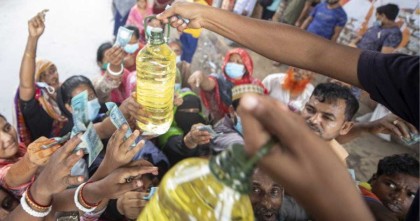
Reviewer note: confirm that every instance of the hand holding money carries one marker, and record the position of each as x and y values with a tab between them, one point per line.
115	56
119	151
36	25
55	177
38	155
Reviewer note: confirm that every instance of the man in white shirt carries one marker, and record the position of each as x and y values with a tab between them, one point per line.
292	88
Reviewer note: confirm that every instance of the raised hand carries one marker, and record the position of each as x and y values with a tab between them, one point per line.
36	25
39	156
119	152
55	177
115	56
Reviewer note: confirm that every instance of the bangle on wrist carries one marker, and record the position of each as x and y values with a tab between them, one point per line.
108	69
33	203
31	211
81	204
29	55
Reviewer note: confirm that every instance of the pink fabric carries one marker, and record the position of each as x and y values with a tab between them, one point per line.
131	83
136	18
119	94
5	165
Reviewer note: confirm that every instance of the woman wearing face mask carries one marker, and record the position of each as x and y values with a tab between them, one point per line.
215	89
111	84
132	49
71	88
37	113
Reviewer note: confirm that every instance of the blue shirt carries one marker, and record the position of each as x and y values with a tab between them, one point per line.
377	37
325	20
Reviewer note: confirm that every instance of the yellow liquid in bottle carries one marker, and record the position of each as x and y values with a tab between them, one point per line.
189	191
156	71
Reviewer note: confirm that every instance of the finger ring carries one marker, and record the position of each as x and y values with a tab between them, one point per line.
395	122
129	179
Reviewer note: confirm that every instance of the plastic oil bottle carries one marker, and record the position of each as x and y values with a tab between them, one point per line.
156	71
201	189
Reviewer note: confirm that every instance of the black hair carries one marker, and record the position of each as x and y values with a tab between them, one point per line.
389	10
66	89
330	93
100	53
235	103
2	116
134	29
398	163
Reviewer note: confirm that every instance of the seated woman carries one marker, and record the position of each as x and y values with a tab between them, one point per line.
18	164
36	109
111	84
183	138
215	89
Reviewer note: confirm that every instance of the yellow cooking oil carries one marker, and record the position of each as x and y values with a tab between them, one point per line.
156	72
190	191
199	189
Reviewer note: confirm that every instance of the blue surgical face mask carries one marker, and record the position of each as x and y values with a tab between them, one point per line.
178	59
238	125
377	23
131	48
234	70
93	109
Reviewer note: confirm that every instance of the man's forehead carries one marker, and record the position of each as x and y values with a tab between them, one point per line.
333	106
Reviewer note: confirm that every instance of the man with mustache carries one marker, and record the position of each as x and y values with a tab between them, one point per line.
292	88
329	114
391	190
266	197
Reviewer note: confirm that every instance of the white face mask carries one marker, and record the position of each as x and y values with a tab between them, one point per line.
178	59
49	89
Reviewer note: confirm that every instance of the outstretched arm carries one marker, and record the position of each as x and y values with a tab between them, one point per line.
36	27
279	42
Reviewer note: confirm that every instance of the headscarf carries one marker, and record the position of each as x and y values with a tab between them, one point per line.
41	66
219	100
246	60
185	119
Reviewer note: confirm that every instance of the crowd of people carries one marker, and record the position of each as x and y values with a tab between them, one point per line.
45	177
